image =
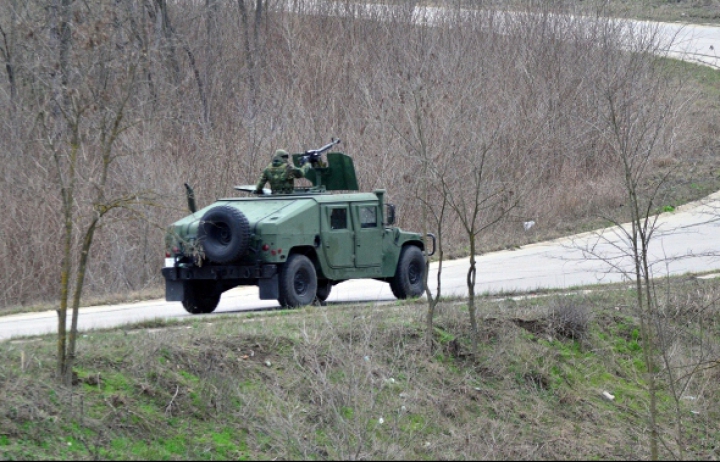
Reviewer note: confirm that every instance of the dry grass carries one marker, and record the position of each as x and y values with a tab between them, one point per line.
355	382
691	11
149	293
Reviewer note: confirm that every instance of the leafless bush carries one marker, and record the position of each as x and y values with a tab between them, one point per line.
220	88
569	318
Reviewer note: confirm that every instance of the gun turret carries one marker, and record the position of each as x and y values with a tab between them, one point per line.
313	155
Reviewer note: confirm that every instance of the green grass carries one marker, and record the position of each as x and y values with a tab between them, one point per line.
528	393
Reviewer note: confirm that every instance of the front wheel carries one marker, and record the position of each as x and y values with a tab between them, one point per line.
298	282
410	273
200	298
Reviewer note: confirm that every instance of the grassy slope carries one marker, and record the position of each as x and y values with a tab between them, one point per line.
691	11
314	384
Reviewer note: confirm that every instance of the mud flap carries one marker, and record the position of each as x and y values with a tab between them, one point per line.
174	290
269	288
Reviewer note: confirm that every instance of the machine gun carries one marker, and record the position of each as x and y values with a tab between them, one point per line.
313	155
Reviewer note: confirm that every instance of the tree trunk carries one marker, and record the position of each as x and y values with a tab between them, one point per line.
79	283
68	185
259	48
164	33
249	58
68	198
9	67
212	36
142	47
471	276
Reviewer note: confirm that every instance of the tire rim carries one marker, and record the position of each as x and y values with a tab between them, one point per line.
414	273
300	282
220	233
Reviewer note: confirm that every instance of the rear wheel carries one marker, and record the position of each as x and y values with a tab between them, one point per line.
410	273
323	290
298	282
200	297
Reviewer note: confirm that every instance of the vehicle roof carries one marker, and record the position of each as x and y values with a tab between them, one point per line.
319	198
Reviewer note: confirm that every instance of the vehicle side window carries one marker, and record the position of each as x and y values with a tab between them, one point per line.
338	219
368	217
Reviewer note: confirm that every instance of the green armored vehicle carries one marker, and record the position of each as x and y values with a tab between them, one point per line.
293	246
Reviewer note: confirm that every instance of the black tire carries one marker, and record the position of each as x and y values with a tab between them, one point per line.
200	298
298	282
410	273
323	290
224	232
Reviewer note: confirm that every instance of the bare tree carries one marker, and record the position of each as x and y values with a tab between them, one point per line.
639	107
6	51
432	206
164	40
481	199
81	124
252	48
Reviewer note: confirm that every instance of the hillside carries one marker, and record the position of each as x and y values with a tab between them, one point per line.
556	377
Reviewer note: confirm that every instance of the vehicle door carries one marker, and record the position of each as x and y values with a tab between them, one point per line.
338	237
368	234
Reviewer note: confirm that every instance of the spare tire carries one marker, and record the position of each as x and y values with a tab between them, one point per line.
224	234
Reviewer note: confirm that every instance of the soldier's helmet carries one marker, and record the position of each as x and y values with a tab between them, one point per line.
280	157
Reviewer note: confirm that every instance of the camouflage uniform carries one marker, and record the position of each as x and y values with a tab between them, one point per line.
280	174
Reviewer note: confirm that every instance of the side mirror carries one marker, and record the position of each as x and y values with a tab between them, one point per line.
390	214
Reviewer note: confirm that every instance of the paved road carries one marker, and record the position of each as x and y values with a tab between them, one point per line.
695	43
687	241
699	44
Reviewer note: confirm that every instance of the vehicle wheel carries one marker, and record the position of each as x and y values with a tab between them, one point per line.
200	298
224	233
323	290
409	275
298	282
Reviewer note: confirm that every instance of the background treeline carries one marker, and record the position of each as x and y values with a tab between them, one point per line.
110	106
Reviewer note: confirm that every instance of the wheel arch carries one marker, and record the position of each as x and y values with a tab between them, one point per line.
310	252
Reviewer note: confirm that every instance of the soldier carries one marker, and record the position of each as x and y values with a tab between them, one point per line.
280	174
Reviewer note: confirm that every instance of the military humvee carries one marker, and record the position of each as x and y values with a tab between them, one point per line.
293	246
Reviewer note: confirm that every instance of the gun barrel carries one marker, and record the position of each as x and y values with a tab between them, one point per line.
315	152
328	146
